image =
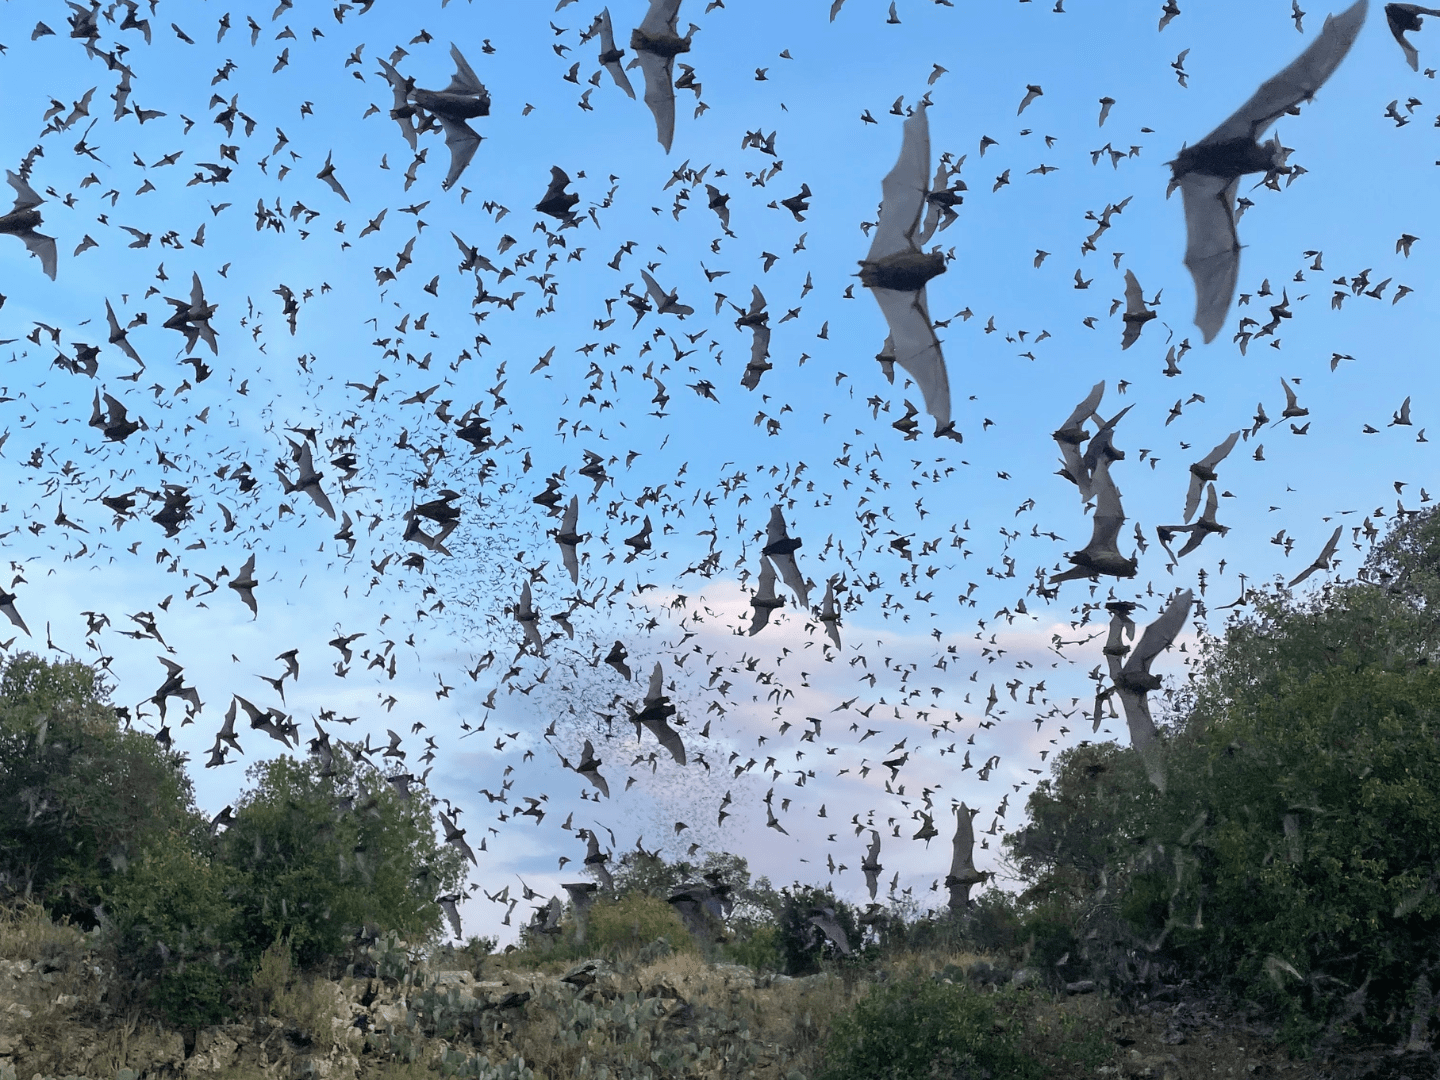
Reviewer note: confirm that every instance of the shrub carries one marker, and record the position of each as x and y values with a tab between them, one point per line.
634	920
917	1028
758	947
802	945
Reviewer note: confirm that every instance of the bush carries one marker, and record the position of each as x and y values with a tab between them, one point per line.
918	1028
758	948
802	945
169	921
83	796
634	920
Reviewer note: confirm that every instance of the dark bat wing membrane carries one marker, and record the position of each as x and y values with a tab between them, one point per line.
1212	248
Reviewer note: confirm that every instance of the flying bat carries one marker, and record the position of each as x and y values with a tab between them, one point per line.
1102	554
1208	173
1137	314
758	321
655	714
244	584
1322	561
896	270
610	55
665	303
764	601
529	618
567	538
115	421
308	481
830	614
963	876
558	202
1134	681
781	548
328	175
1403	17
464	98
22	221
1202	472
1072	434
870	865
656	45
589	768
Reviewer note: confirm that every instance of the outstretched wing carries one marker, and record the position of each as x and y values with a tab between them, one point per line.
917	349
464	80
607	46
1212	248
1160	634
1298	82
660	18
904	189
1109	514
463	142
660	94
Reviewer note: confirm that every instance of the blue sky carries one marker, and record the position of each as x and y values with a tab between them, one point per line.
1367	181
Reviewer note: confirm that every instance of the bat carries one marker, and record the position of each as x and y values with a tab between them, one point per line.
464	98
829	614
764	601
1134	681
22	220
7	608
657	709
656	45
115	422
781	547
666	303
1205	525
567	538
1102	554
1208	173
963	875
308	481
616	659
758	320
1072	434
870	865
1136	313
1322	561
557	202
896	270
452	913
328	175
1403	17
244	584
528	618
118	335
1203	471
589	768
610	55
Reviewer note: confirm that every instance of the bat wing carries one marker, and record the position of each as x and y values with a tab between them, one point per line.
1086	408
917	349
660	93
43	248
775	529
764	597
657	689
463	142
25	197
660	18
1109	514
653	288
1299	81
962	847
1212	248
1322	561
669	738
559	180
1220	453
464	80
793	578
1160	634
1134	296
903	190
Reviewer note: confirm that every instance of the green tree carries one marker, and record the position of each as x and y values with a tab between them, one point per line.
81	794
323	856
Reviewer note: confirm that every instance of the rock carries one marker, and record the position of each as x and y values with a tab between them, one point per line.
1082	986
1025	977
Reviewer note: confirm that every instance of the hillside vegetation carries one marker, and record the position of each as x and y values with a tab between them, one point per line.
1282	890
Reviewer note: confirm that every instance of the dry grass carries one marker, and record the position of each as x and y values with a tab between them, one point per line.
27	933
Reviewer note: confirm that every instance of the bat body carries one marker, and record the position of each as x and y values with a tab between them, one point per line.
757	319
1136	313
1208	173
115	422
465	98
656	44
1203	472
870	865
896	270
1102	554
963	876
1322	561
22	221
1404	17
1072	434
654	716
830	614
529	619
665	303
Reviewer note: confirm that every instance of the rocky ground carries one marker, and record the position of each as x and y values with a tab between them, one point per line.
655	1015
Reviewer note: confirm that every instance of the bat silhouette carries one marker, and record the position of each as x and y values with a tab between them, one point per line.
557	202
22	220
653	717
328	175
1136	313
870	865
656	45
1072	434
117	335
665	303
781	547
1208	173
464	98
529	619
830	614
1403	17
758	320
764	601
567	538
963	876
1201	528
308	481
115	422
1102	554
895	270
616	659
1322	561
589	768
610	55
244	584
1203	471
